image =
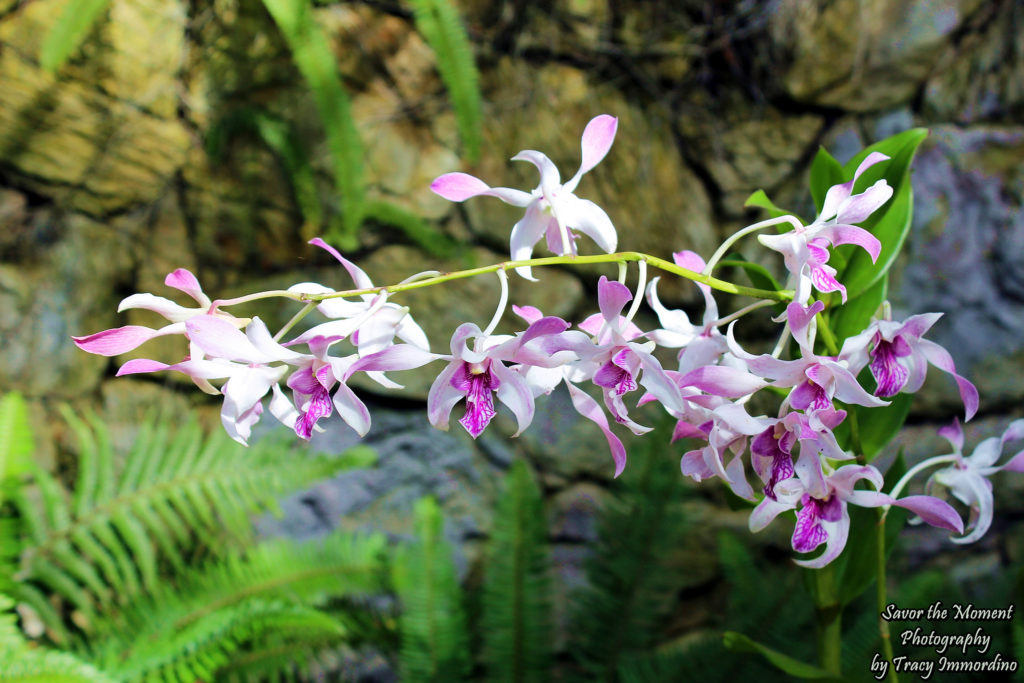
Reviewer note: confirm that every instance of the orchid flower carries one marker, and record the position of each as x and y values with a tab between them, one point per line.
817	379
375	332
242	359
900	358
552	210
727	431
967	478
475	374
120	340
699	346
771	450
616	361
825	519
805	250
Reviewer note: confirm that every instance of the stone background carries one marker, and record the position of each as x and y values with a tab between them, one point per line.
106	185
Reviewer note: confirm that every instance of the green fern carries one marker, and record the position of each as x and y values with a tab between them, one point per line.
631	582
315	61
439	22
280	137
434	640
222	617
103	544
516	617
25	663
68	32
16	441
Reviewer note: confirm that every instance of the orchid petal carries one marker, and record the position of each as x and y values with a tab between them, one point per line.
941	359
120	340
442	396
397	357
549	176
848	390
611	298
766	511
850	234
721	380
185	281
838	532
220	339
597	139
589	408
859	207
458	187
515	393
158	304
352	410
525	234
359	277
590	219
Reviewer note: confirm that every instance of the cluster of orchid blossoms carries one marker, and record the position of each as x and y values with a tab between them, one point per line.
793	457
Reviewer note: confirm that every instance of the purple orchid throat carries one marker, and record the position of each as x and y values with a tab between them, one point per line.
478	383
809	532
890	375
773	458
616	375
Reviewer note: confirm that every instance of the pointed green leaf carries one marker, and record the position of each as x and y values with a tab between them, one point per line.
737	642
68	32
825	172
760	200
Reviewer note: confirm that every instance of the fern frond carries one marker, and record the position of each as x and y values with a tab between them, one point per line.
631	582
315	61
68	32
199	650
282	140
438	21
433	631
105	545
25	663
275	572
16	440
516	616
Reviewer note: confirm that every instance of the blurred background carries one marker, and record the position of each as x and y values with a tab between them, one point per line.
189	133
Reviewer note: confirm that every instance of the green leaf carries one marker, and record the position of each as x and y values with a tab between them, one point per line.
825	172
315	61
16	442
737	642
855	315
69	31
760	200
891	223
438	21
759	276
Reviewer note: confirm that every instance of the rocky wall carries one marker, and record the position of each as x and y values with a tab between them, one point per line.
107	183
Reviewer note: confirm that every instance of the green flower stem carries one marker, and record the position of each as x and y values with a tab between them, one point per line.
828	612
620	257
883	625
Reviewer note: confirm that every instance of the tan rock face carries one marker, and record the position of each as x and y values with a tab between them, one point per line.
864	56
102	135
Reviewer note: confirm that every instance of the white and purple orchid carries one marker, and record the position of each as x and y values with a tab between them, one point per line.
805	250
120	340
824	518
479	373
552	209
899	358
967	479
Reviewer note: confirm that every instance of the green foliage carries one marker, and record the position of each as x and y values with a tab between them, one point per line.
258	604
759	199
438	21
825	172
516	619
856	314
103	544
631	579
315	61
65	36
25	663
891	223
434	639
279	136
16	441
